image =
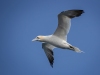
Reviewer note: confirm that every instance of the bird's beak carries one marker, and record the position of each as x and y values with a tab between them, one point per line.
34	40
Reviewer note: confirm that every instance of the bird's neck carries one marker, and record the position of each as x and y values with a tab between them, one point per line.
46	38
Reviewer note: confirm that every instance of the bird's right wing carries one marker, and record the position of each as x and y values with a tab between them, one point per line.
48	51
64	22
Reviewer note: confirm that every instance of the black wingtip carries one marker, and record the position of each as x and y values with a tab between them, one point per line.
51	65
77	13
73	13
51	60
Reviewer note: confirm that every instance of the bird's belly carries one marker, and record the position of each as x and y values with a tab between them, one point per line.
58	43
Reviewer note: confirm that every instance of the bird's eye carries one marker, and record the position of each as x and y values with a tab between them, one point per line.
37	37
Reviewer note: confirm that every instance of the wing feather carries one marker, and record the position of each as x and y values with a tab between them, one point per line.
49	53
64	22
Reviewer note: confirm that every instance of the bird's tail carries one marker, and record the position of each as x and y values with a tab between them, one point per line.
72	13
78	50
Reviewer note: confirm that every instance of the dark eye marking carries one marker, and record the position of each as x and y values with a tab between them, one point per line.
37	37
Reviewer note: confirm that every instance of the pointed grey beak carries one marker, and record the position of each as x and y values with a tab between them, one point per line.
34	40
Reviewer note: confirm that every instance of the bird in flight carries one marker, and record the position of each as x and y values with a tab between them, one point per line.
59	37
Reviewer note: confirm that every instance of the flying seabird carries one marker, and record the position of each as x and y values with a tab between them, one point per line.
59	37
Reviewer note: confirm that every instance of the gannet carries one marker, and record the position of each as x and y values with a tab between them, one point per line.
59	37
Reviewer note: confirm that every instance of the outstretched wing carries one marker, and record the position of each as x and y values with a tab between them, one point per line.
64	22
48	51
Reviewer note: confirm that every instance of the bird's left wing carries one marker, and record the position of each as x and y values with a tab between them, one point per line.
64	22
48	51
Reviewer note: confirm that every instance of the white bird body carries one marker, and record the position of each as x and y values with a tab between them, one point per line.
59	38
56	41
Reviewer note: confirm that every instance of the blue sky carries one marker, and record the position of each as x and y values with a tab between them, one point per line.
23	20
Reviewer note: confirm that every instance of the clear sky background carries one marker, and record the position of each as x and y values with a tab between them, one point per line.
23	20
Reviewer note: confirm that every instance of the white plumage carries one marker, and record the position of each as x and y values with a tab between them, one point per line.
59	38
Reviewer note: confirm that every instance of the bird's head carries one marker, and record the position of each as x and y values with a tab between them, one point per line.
39	38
